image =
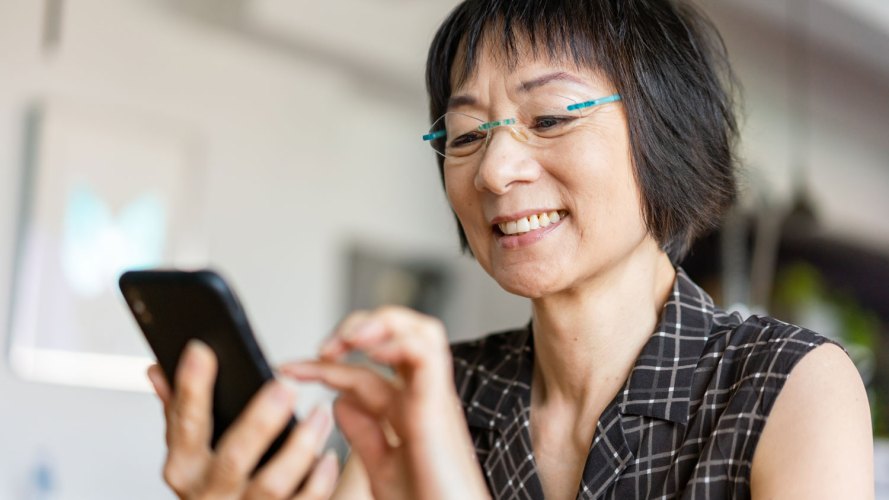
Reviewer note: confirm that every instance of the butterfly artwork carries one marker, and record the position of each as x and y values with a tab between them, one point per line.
98	245
105	191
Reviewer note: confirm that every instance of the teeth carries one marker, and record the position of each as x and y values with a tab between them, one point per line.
523	225
532	222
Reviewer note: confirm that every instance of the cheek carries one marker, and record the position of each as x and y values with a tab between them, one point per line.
604	188
461	196
456	192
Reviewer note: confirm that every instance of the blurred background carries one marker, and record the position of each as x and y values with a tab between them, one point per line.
278	141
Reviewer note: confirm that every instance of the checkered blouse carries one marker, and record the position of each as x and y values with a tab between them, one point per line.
685	424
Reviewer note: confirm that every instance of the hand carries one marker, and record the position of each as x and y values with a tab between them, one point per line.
194	470
408	430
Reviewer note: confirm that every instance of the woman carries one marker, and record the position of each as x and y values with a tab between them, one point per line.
583	145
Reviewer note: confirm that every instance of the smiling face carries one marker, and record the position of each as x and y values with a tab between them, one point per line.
585	176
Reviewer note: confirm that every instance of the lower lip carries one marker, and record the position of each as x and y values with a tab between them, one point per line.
529	238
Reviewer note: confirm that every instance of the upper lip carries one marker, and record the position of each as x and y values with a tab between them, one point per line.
523	213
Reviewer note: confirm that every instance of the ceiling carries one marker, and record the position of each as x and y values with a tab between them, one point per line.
383	42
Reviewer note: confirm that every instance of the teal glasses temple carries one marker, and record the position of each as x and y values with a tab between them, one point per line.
438	134
594	102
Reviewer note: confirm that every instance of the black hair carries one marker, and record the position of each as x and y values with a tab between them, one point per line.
664	58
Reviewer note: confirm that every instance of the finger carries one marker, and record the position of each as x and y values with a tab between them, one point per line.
363	431
423	337
244	443
189	417
368	387
334	347
192	400
286	470
323	479
159	383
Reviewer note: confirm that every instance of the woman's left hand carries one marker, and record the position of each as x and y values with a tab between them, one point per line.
408	430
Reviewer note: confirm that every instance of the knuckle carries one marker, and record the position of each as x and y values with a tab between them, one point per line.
430	337
187	421
188	389
389	311
174	477
435	330
228	467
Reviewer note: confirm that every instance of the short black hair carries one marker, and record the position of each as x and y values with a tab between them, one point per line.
669	65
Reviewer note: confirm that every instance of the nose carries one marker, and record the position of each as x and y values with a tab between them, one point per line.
506	160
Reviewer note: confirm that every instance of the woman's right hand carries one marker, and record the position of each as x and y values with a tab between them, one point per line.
194	470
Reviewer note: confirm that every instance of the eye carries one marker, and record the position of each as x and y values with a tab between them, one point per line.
467	139
544	123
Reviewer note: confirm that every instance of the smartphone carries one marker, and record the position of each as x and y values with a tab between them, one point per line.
173	307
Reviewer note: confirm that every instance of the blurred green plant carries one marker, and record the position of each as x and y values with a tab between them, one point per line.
801	296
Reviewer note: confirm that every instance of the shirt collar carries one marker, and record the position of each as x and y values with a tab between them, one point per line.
659	384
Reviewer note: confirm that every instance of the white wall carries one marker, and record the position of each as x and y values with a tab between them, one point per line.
300	161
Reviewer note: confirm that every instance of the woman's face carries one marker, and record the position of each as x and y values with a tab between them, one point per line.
585	175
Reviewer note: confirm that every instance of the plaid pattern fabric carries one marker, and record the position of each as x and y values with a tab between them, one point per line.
685	425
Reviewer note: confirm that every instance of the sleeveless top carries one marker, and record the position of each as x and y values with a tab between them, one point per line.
685	425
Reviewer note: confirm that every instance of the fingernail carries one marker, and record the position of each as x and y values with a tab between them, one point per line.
280	394
197	345
195	352
360	330
329	461
154	378
317	420
299	369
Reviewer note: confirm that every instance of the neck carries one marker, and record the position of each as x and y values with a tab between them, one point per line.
587	339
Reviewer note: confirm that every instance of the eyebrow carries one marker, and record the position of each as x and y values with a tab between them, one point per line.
457	101
545	79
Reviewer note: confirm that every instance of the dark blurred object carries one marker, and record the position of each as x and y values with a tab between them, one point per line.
378	278
837	287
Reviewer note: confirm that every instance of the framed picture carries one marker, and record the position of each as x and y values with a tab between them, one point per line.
377	277
102	192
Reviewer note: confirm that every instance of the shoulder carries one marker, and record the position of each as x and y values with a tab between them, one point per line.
817	441
799	398
763	335
759	353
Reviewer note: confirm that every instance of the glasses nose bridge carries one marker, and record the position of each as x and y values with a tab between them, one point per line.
516	130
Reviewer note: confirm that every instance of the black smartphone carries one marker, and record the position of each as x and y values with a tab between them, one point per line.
173	307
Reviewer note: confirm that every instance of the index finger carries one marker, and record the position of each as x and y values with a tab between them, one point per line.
404	335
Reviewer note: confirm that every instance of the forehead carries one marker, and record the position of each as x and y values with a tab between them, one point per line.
519	68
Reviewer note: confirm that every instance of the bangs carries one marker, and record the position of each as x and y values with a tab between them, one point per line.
510	32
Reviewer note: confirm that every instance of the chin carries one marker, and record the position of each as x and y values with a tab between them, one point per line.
528	286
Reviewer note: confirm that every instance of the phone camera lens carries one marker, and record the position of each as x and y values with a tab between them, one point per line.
141	311
139	307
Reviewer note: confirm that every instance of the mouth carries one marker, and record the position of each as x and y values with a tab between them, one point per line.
529	223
